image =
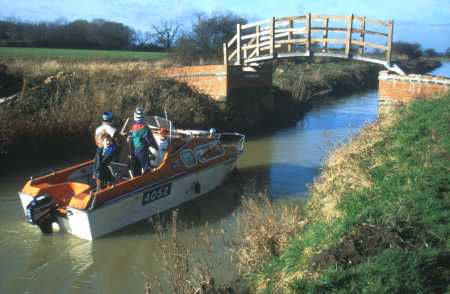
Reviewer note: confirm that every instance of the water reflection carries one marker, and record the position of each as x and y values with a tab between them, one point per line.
286	162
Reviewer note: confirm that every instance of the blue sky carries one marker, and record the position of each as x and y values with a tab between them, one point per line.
423	21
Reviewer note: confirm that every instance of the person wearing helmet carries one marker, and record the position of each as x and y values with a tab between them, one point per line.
106	140
141	138
108	128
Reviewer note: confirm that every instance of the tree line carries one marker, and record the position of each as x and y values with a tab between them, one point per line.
79	34
203	38
414	50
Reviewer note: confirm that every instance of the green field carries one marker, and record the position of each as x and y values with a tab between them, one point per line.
78	54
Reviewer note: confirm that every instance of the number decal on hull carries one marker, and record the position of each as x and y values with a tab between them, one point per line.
156	193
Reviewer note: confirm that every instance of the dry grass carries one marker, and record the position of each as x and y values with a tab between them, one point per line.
264	230
60	102
189	268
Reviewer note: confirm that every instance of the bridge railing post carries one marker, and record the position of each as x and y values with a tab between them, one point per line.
272	37
258	31
325	34
238	44
348	43
225	54
362	36
389	42
291	26
308	34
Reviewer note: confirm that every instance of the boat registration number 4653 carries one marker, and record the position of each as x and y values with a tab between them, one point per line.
156	193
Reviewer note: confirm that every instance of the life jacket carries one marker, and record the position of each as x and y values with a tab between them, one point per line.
104	128
110	130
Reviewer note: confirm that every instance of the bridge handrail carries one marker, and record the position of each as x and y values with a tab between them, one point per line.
279	37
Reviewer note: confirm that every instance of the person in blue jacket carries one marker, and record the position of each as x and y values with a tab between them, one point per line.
103	157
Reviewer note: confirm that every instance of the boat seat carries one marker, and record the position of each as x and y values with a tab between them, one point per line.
119	171
63	192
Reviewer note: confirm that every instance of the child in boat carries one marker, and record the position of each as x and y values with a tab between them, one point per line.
103	158
107	126
163	146
141	138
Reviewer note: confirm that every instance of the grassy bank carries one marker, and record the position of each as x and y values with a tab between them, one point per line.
378	217
78	54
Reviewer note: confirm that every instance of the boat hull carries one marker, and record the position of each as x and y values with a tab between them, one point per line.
141	204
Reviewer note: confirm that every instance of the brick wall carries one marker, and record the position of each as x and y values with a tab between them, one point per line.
208	79
221	81
395	88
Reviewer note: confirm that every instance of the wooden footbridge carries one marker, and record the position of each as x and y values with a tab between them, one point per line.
247	65
349	37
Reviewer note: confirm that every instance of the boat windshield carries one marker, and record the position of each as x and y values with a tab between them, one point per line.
159	122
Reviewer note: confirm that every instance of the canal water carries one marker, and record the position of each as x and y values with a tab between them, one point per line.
284	163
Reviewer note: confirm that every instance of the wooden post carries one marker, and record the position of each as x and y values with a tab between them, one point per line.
325	34
258	31
272	37
348	43
238	44
225	55
363	36
389	42
291	25
308	34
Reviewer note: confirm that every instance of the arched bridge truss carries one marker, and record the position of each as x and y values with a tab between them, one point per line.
350	37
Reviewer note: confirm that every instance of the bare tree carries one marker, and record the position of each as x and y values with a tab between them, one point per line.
166	33
204	41
141	38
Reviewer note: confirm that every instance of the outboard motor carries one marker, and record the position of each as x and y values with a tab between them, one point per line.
41	211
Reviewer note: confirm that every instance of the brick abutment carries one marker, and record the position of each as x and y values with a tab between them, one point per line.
395	90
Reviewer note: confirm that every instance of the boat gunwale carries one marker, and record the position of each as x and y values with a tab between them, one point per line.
104	205
178	175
